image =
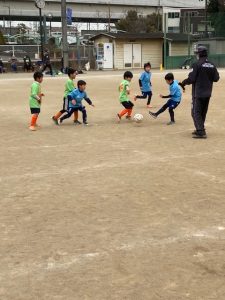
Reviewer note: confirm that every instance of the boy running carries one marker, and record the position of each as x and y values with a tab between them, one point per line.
75	102
174	98
69	87
145	84
35	99
124	90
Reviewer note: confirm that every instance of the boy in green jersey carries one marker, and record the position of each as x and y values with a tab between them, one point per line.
69	87
35	99
124	90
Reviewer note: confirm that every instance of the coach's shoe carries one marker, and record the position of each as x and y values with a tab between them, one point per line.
55	120
194	132
200	135
77	122
154	115
32	128
171	123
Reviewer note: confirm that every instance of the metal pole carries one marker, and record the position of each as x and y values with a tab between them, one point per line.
64	35
206	17
164	41
10	25
109	17
41	34
189	35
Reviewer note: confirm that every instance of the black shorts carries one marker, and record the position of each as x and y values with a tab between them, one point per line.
127	104
35	110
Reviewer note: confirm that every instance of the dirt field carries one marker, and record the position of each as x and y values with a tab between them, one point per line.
110	211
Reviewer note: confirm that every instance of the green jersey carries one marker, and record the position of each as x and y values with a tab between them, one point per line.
35	91
69	87
123	89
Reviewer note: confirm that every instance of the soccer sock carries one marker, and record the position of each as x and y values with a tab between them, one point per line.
33	120
58	115
129	112
75	114
123	112
171	115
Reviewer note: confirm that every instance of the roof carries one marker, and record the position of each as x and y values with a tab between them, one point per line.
178	37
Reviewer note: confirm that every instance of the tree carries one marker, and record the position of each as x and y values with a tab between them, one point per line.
2	40
21	28
140	24
216	10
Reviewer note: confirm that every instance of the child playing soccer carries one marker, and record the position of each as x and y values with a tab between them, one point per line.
75	102
35	99
69	87
124	90
145	84
174	98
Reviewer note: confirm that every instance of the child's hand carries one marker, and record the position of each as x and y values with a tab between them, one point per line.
42	95
160	95
92	105
74	102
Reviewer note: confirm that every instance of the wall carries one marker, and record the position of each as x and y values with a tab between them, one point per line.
180	48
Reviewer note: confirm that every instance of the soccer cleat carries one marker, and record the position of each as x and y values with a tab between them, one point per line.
171	123
77	122
128	117
59	121
119	117
55	120
154	115
32	128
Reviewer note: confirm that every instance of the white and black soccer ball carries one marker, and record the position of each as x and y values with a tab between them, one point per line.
138	118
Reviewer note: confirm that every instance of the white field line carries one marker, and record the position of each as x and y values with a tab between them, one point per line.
106	165
65	261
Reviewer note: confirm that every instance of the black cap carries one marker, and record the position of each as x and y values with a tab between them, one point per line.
202	51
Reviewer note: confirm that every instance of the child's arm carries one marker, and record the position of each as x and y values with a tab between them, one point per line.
88	100
70	98
128	90
168	96
181	84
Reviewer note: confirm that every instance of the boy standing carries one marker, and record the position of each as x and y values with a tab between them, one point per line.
124	90
69	87
35	99
174	98
145	84
75	102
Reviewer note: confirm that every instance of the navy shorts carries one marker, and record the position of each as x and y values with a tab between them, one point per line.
127	104
147	94
35	110
172	104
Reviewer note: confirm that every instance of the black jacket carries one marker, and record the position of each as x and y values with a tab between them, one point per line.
203	75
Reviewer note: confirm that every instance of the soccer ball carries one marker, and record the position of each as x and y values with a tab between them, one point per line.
138	118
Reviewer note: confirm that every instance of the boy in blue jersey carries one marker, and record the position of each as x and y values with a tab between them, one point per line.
75	102
174	98
145	84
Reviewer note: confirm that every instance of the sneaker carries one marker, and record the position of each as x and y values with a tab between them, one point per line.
59	121
85	123
76	122
194	132
55	120
171	123
119	117
199	136
32	128
128	117
154	115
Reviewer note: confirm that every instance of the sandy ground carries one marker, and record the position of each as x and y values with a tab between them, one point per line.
110	211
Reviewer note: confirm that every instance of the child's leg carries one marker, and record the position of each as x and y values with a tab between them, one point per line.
162	109
149	98
143	96
84	113
123	112
171	111
33	121
75	114
68	115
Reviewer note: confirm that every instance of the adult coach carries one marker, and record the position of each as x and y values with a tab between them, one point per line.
203	75
47	61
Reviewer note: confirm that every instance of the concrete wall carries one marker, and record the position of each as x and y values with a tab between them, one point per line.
180	49
215	46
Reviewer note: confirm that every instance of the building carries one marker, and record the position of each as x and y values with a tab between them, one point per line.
129	50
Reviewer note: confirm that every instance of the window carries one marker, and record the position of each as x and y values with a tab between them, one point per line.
173	15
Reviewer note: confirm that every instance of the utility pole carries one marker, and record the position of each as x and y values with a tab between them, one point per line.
189	34
109	29
206	18
64	35
164	41
41	34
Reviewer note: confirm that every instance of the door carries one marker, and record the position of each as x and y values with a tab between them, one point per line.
108	56
132	55
136	55
128	55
